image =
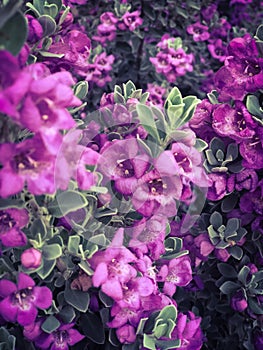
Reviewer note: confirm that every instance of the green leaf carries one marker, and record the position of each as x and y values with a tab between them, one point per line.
174	98
216	220
174	114
229	287
168	344
51	54
227	270
73	244
160	330
190	103
200	145
78	299
148	342
147	120
48	24
232	226
58	3
128	89
212	96
93	327
51	251
229	203
81	89
50	10
168	312
12	39
65	202
140	328
254	108
50	324
45	270
107	301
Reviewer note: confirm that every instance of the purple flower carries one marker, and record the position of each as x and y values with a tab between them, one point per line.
236	123
258	339
35	30
126	334
252	150
124	162
131	21
26	162
218	188
20	302
156	193
61	338
11	222
199	31
31	258
162	62
188	330
238	301
242	71
252	201
148	237
246	179
177	272
112	267
217	50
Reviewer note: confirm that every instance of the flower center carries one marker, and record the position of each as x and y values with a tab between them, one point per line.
6	222
183	161
156	186
23	298
61	338
125	168
251	68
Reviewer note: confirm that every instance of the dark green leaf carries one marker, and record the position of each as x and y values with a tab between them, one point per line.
107	301
216	220
212	96
259	32
227	270
78	299
12	39
236	252
229	203
253	106
243	274
50	10
140	328
168	344
81	89
93	328
48	24
73	244
50	324
67	314
229	287
9	10
255	306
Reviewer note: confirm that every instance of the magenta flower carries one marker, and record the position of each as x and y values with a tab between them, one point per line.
126	334
252	201
251	150
20	302
162	62
112	267
238	301
246	179
176	272
218	188
189	331
62	338
26	162
35	30
217	50
130	20
199	31
123	162
11	222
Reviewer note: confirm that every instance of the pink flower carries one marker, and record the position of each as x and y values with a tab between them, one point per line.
31	258
130	20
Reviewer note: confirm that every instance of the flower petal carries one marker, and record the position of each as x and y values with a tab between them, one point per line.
6	288
43	297
8	310
74	337
24	281
28	316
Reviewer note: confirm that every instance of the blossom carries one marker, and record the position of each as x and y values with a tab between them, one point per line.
112	267
26	162
218	188
199	31
63	337
238	301
236	123
11	222
217	49
126	334
130	20
31	258
188	330
20	302
124	162
252	201
177	272
251	150
35	30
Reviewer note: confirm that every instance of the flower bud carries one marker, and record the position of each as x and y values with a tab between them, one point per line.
31	258
238	301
